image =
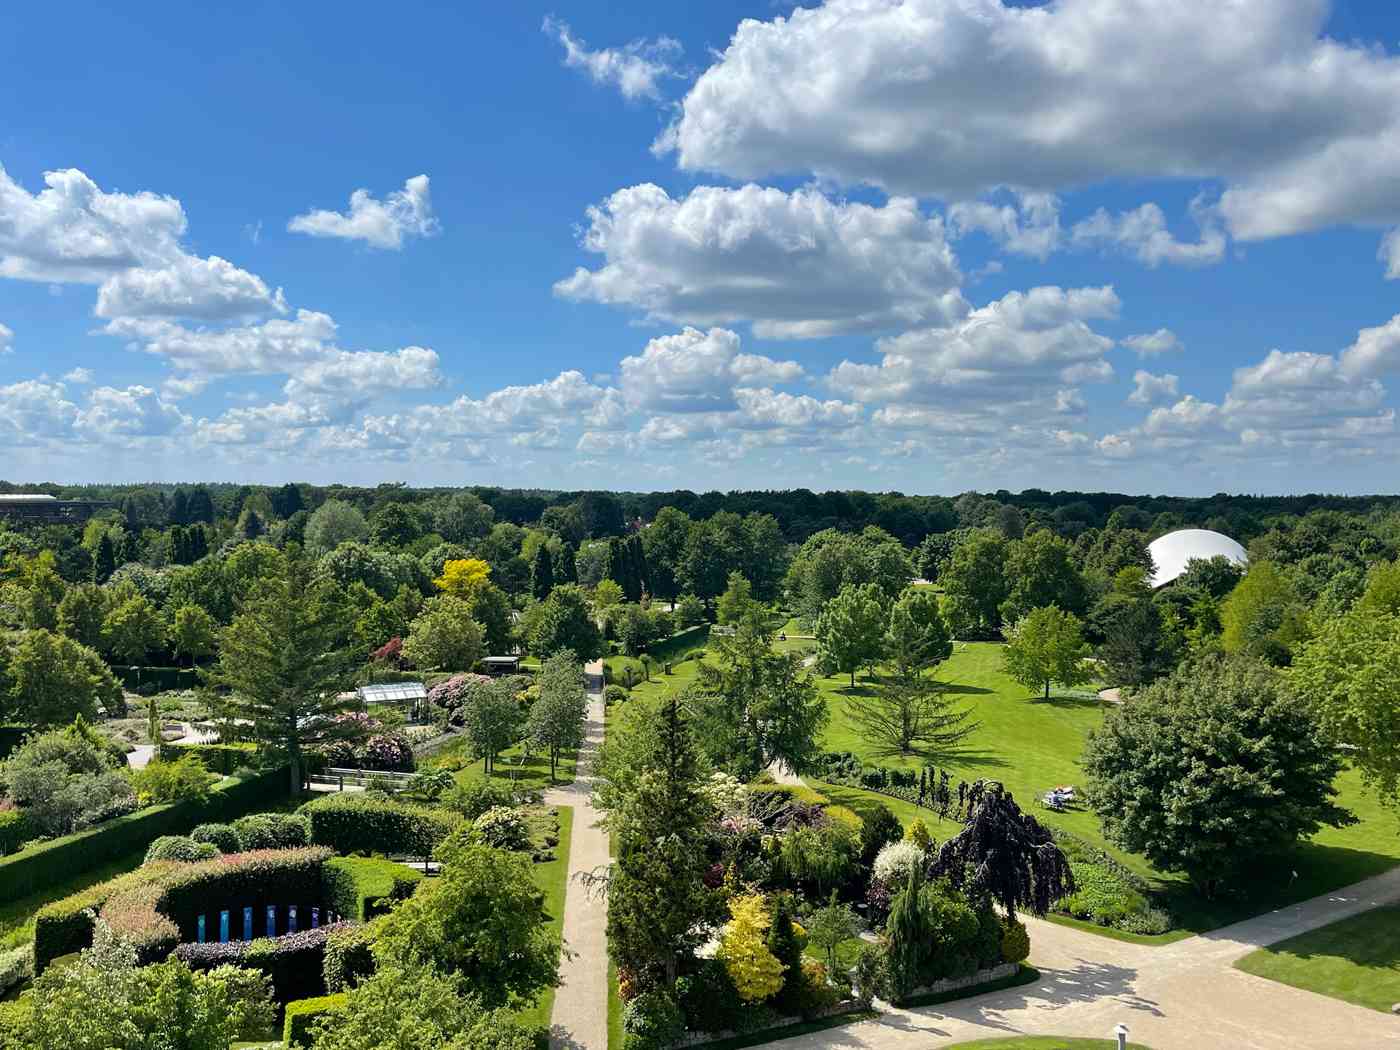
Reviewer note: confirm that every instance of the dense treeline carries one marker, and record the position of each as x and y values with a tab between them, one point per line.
799	512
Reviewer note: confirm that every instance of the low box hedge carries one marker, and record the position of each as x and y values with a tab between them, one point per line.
161	678
217	758
14	831
363	887
354	822
45	863
294	962
296	1029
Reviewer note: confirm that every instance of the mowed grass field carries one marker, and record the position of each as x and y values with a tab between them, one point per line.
1357	959
1031	745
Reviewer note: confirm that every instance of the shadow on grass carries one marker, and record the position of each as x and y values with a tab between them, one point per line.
963	689
1301	874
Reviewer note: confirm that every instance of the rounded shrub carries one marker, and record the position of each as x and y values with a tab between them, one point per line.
273	830
896	860
1015	942
615	694
224	837
652	1021
180	848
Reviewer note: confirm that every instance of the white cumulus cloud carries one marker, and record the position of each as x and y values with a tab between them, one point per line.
1148	389
954	98
795	265
379	223
636	69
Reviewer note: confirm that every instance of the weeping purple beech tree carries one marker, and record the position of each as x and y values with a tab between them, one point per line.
1005	855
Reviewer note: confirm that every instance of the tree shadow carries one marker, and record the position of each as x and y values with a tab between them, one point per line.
1069	702
1085	982
962	689
1274	882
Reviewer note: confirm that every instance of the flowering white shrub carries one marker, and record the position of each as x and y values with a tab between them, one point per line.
895	861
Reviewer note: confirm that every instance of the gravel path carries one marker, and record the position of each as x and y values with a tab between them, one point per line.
1186	996
580	1019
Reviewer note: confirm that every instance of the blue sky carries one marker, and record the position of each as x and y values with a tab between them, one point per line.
927	245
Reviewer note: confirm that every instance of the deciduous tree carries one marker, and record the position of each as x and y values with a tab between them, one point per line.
1047	646
1213	768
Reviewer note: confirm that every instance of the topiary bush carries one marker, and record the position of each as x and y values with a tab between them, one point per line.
1015	941
259	831
303	1013
224	837
180	848
15	829
615	694
363	887
475	797
366	824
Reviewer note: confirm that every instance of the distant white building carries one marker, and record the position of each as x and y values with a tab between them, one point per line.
1174	551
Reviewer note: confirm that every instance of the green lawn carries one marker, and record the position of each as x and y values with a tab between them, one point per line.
512	766
1043	1042
553	880
1357	959
1031	745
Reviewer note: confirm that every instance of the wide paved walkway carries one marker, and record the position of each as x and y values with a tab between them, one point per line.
1186	996
580	1019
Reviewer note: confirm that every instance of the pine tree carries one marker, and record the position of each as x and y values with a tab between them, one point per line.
201	506
283	663
104	562
657	812
179	508
637	559
566	571
542	573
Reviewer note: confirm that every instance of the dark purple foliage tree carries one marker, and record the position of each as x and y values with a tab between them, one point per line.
1004	854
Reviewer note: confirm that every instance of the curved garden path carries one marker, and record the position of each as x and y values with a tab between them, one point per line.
580	1018
1185	996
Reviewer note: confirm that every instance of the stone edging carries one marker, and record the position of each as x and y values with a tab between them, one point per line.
954	984
845	1006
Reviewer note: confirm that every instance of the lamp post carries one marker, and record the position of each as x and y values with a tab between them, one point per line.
1120	1032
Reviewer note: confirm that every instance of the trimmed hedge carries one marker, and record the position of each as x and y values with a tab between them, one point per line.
163	678
273	831
360	823
363	887
45	863
296	1030
167	899
14	831
294	961
350	956
217	758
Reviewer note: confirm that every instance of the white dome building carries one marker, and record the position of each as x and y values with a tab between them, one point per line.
1174	551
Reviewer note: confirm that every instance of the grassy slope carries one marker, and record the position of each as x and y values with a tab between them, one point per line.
1031	745
553	880
1357	959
